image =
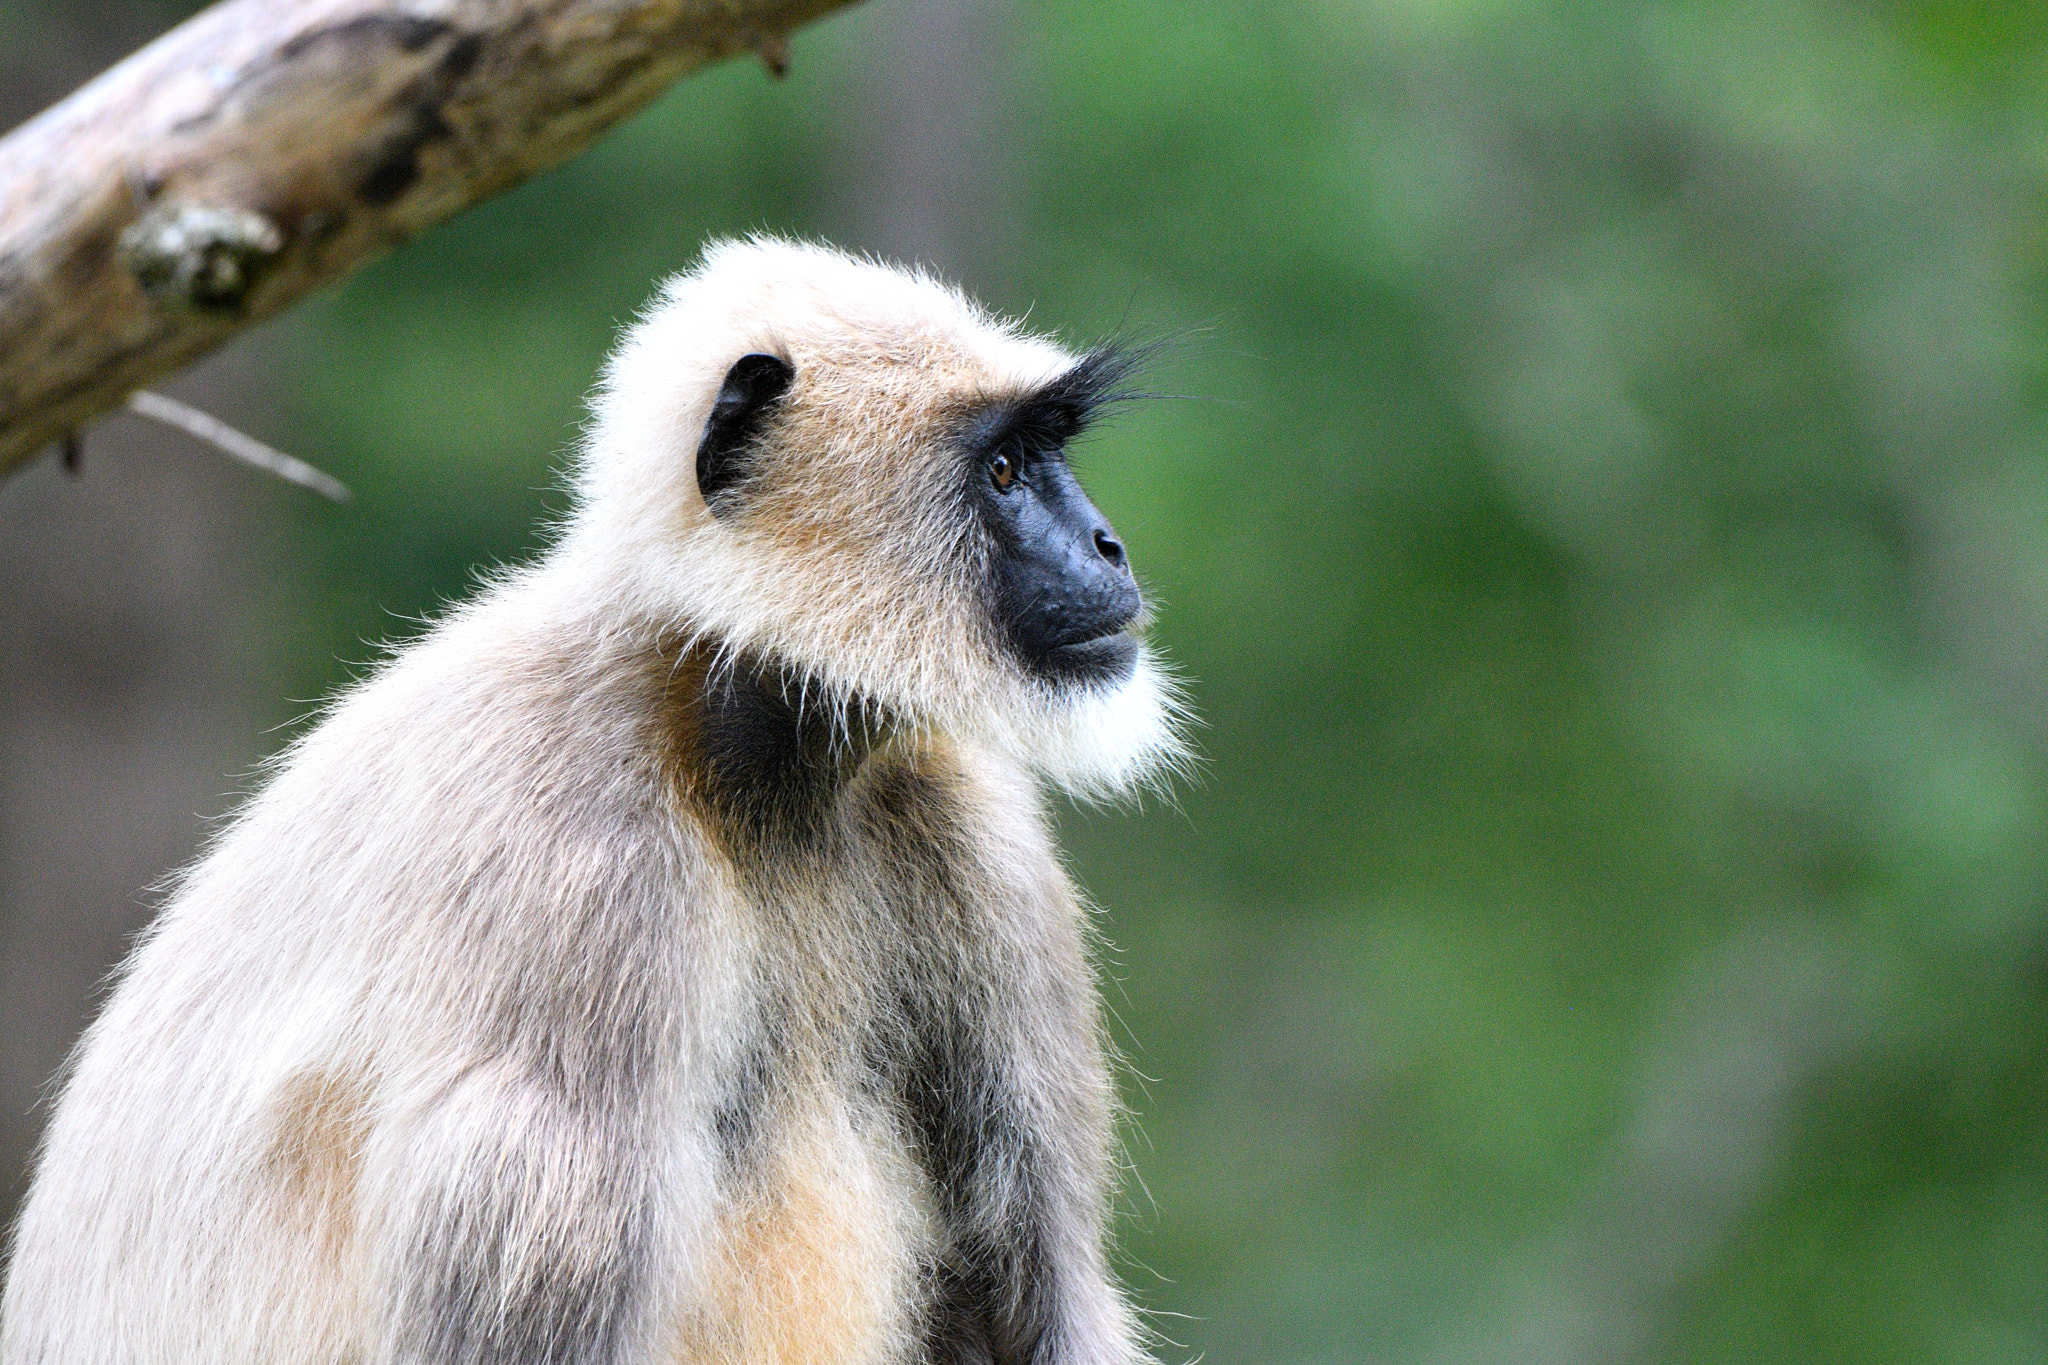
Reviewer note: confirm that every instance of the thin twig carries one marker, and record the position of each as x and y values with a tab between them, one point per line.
224	438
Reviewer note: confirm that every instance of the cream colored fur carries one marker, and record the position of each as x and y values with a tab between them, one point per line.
883	360
447	995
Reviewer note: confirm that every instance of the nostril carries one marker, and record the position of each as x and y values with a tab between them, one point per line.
1110	548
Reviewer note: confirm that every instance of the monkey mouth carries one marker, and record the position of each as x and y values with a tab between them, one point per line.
1109	657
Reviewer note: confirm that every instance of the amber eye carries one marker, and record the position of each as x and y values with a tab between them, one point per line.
1003	469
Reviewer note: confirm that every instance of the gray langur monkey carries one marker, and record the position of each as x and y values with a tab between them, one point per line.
665	958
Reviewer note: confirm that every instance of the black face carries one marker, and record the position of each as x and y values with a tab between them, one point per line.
1060	584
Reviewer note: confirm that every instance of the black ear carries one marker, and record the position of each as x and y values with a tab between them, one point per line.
752	387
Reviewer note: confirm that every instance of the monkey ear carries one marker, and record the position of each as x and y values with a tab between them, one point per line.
753	386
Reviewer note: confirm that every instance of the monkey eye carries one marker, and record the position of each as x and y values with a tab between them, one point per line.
1003	469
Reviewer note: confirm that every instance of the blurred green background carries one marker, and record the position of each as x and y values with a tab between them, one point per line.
1605	523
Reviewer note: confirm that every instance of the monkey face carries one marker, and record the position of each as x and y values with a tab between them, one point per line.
1059	584
858	475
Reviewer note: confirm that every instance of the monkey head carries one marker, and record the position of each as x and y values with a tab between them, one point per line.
857	475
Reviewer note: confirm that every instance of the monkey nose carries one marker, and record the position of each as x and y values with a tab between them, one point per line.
1109	547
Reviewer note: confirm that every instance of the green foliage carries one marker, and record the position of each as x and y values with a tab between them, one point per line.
1609	538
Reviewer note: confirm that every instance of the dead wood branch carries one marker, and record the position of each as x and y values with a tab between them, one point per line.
239	445
266	148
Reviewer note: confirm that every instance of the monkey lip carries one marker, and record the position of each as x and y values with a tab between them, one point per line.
1105	657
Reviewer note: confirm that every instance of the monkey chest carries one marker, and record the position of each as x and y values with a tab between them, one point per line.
819	1253
845	1137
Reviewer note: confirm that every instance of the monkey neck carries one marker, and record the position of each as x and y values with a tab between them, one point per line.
759	747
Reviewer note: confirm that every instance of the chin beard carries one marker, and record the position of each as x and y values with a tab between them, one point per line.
1101	741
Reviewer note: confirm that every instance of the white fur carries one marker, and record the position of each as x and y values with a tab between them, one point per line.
639	519
473	873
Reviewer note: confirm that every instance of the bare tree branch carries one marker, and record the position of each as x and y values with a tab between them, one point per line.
268	147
